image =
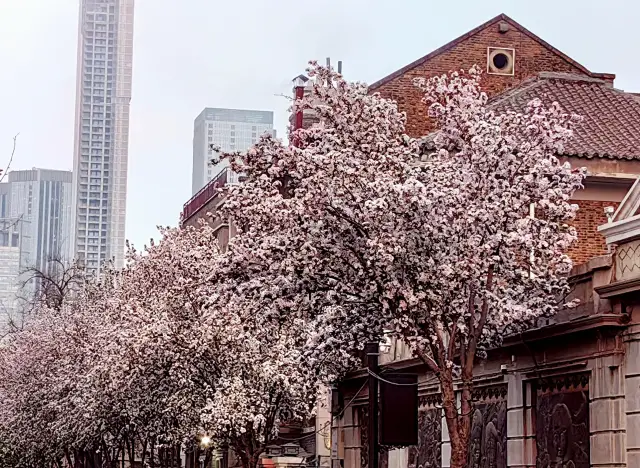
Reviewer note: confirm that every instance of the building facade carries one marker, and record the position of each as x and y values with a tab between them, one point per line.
10	247
5	196
103	96
566	393
35	227
41	198
228	129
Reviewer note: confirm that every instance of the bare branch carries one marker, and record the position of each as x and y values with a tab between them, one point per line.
3	173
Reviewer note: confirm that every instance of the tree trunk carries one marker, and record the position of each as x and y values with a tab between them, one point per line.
458	422
144	452
459	452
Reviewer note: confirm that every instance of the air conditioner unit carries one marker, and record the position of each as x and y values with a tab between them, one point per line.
501	61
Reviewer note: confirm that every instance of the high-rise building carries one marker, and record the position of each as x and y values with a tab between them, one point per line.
41	198
9	257
35	227
10	243
230	130
103	95
5	196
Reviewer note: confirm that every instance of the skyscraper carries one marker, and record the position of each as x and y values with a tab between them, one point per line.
10	239
231	130
103	95
41	198
35	212
9	257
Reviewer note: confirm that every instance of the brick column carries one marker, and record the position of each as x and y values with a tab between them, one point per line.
607	421
520	431
350	443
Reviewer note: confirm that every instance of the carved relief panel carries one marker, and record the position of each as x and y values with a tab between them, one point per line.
562	422
363	424
488	443
428	452
627	260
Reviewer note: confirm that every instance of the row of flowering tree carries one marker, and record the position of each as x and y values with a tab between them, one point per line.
148	359
356	229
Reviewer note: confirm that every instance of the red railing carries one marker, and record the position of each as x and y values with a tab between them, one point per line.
205	194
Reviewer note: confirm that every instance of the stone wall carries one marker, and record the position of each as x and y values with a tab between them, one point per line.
571	398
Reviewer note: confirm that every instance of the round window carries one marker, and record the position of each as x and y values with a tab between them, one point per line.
500	61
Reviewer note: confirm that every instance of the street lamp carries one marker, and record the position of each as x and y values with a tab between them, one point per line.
205	441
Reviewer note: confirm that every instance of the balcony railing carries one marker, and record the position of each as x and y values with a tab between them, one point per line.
209	191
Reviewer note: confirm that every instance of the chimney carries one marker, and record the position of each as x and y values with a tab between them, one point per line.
299	85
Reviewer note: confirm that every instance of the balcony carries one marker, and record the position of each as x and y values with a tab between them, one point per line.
208	192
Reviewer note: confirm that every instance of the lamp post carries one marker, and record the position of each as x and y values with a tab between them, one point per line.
372	365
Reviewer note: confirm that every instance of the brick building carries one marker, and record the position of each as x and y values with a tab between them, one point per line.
527	55
574	378
565	394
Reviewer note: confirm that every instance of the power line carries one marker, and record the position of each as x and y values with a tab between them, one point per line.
373	374
434	378
328	423
311	434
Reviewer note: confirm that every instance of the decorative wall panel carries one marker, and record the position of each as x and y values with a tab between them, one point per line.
562	422
488	444
428	452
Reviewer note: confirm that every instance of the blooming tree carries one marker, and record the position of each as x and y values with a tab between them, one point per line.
154	357
267	383
357	230
43	385
125	366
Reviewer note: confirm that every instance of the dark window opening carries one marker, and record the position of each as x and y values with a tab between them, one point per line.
500	61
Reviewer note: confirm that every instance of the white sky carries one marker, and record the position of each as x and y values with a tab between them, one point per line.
190	54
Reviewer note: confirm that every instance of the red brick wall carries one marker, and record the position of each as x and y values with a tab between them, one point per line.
590	243
531	58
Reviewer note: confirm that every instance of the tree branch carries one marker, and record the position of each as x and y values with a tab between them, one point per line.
4	173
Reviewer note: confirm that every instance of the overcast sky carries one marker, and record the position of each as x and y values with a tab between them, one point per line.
190	54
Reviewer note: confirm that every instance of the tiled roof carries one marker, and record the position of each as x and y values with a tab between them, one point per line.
610	126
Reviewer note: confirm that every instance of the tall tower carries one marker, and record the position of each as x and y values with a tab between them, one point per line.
35	211
103	95
41	199
231	130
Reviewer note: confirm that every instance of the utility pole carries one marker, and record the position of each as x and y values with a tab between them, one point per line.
372	365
